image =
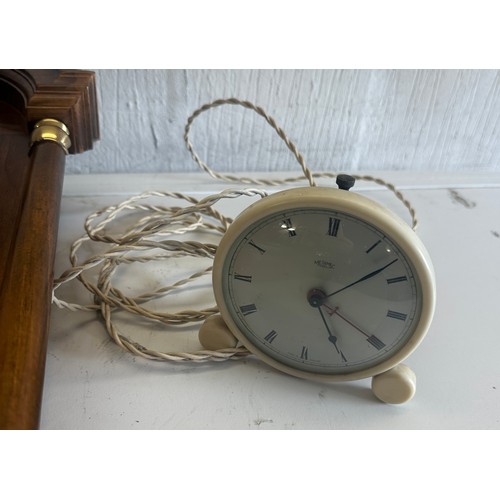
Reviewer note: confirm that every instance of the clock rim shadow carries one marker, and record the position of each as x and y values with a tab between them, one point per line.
351	389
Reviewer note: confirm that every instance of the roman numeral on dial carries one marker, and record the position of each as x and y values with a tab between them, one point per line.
271	336
257	247
303	353
376	342
287	224
396	315
242	277
248	309
333	226
398	279
374	246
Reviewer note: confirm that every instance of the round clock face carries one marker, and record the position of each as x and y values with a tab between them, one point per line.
320	291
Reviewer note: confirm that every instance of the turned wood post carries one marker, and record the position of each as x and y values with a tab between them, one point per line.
44	114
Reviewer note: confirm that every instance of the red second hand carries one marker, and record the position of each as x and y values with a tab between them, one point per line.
332	311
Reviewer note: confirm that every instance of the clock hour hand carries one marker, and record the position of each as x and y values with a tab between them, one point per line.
315	299
332	338
364	278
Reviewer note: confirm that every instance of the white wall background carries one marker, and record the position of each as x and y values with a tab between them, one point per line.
425	120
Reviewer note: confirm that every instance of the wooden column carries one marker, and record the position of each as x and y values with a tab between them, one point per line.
31	179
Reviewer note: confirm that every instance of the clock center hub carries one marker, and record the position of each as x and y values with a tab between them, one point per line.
316	297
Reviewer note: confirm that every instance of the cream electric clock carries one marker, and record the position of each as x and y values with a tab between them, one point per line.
323	283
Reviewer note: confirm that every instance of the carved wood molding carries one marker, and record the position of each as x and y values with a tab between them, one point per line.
66	95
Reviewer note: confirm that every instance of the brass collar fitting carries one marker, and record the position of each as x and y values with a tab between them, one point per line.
53	130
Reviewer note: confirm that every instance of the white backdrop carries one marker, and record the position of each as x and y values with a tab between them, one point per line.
421	120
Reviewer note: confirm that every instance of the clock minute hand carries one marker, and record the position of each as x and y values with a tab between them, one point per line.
364	278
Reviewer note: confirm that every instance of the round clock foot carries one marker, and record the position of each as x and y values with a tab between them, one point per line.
215	335
395	386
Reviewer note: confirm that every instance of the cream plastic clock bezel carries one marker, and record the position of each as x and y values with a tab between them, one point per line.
358	206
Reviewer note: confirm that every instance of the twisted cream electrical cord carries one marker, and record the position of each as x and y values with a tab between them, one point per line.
150	237
291	146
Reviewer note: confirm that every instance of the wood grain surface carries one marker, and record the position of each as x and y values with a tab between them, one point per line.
31	180
26	286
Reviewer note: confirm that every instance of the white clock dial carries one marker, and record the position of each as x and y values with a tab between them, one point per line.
321	291
318	290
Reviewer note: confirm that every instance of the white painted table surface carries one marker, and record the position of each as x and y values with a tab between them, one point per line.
91	384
